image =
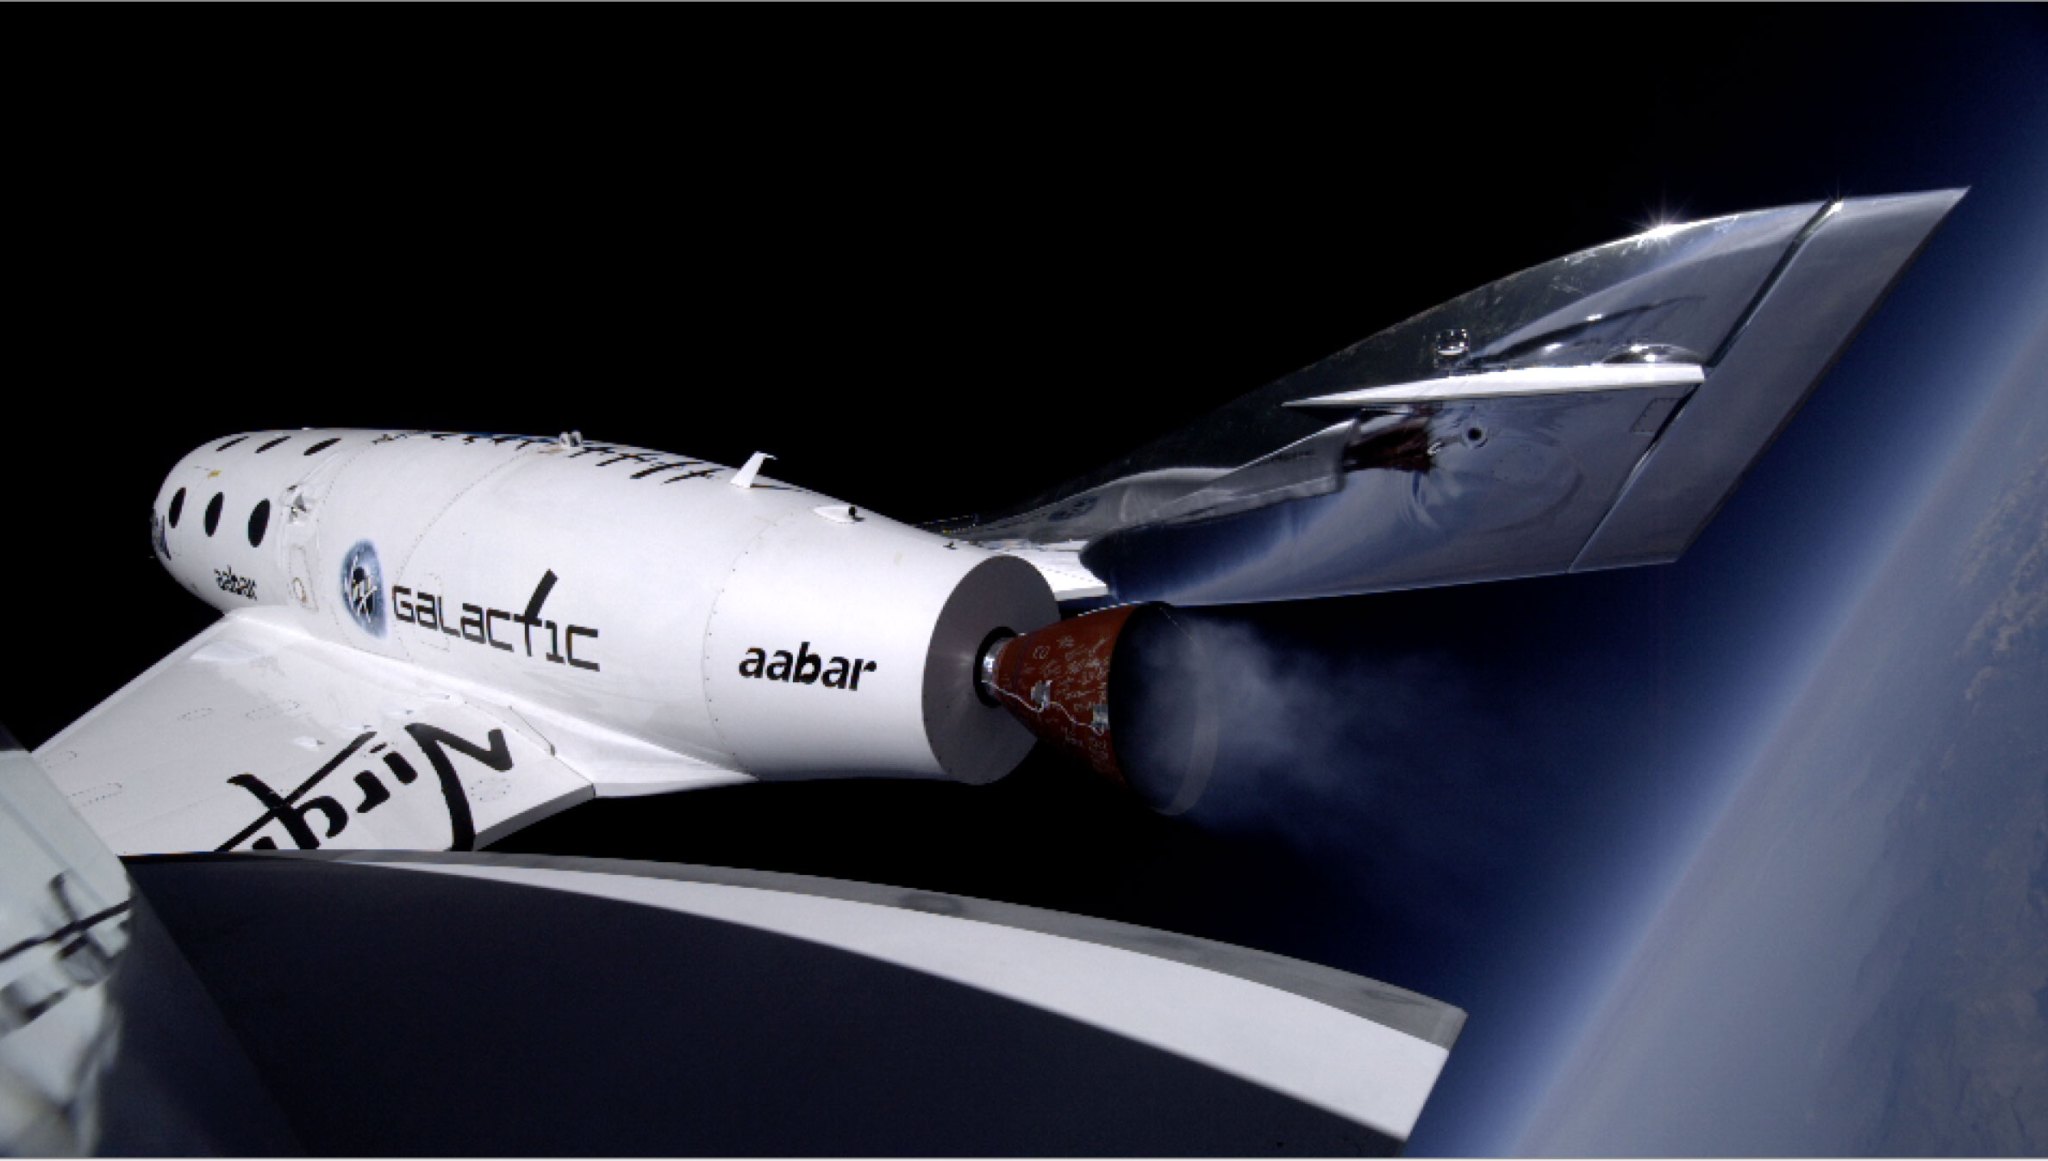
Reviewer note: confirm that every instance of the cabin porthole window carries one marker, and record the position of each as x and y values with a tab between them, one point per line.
259	523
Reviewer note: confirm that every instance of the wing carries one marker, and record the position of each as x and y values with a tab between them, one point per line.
1592	412
232	1005
255	735
739	1012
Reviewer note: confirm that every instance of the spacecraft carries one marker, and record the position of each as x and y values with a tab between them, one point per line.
431	639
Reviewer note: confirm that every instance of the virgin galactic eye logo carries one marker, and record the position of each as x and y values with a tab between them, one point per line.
362	587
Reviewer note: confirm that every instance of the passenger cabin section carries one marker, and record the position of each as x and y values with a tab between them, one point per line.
219	521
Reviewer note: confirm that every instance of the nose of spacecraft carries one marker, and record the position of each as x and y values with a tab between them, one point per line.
1117	689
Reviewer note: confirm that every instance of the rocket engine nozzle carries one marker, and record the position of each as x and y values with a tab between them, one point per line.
1117	689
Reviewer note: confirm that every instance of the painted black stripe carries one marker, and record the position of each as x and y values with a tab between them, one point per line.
75	927
308	784
645	472
540	596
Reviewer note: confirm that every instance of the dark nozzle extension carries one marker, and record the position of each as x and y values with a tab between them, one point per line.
1111	689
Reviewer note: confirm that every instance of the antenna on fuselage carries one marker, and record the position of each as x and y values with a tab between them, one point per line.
744	478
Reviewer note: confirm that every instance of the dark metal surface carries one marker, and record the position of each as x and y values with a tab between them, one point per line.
181	1083
1681	286
1397	1008
429	1014
1480	491
1261	501
1800	326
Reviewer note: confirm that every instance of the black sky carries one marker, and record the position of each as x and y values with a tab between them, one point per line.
935	261
931	281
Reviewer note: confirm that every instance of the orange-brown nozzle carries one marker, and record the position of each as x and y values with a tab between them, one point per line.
1056	681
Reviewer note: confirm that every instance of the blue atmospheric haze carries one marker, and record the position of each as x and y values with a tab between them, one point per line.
1785	981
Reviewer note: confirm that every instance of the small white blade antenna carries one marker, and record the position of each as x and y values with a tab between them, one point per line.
744	478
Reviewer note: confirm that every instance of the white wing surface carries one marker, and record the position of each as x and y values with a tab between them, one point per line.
255	735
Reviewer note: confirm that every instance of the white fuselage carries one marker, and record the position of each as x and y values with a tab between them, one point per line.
763	629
